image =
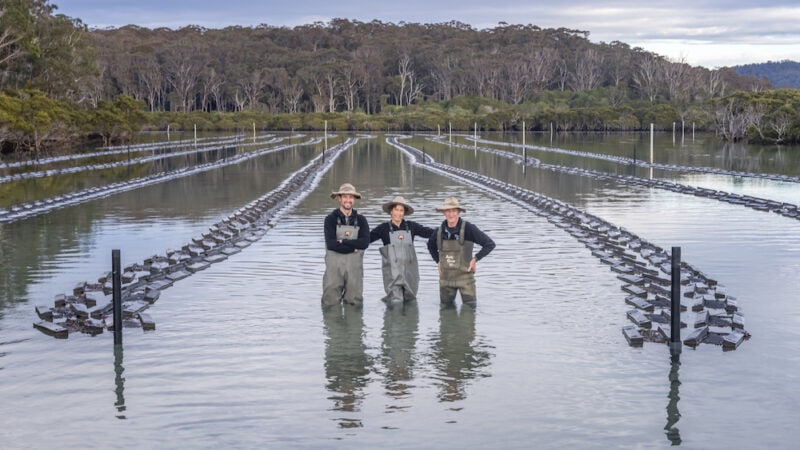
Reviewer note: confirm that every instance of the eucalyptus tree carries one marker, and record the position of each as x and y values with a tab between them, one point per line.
587	74
647	76
182	68
211	89
677	80
151	84
13	26
352	76
540	62
516	79
37	48
372	59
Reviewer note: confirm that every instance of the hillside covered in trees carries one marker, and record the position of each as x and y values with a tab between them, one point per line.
62	81
781	74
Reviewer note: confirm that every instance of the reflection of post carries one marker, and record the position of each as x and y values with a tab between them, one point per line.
346	363
673	415
119	381
399	341
458	357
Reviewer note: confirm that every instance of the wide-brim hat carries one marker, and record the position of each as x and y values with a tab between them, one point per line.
399	200
346	188
450	203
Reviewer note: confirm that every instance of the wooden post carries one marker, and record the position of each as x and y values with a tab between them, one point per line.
254	132
683	131
524	150
651	143
475	139
673	133
116	293
675	319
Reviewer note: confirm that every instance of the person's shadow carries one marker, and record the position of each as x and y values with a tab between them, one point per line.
347	365
399	342
458	354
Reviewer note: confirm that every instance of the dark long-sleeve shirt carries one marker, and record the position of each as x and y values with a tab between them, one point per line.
382	231
471	233
347	245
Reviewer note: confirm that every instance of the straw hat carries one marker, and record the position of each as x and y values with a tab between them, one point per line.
399	200
346	188
450	203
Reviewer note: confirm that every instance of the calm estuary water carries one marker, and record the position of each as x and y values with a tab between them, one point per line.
243	356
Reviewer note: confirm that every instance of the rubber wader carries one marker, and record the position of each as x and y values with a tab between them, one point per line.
344	272
400	267
454	258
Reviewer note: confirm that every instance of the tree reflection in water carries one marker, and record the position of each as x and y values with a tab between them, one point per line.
458	355
347	365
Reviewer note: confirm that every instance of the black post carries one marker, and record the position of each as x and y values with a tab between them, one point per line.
675	334
116	296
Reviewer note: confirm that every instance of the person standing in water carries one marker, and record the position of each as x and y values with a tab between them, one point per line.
451	247
346	238
398	257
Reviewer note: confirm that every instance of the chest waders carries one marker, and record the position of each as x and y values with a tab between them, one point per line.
454	276
344	272
400	267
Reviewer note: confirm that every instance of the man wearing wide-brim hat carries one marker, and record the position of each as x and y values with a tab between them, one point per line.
452	247
346	238
398	257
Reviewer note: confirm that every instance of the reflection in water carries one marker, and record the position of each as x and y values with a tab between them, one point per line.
347	365
673	415
399	341
119	380
458	354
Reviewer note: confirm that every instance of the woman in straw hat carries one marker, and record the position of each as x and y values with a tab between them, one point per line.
346	238
399	259
451	247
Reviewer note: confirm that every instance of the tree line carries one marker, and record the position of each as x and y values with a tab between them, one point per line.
61	80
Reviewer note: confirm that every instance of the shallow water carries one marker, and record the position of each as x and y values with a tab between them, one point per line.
243	355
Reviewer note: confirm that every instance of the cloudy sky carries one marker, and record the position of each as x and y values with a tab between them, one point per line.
709	33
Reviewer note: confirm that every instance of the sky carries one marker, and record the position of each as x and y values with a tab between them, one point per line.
708	33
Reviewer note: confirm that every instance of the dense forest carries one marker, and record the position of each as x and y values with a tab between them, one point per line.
781	74
62	82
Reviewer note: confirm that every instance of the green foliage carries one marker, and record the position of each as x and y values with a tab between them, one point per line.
30	119
271	78
117	121
782	74
52	53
